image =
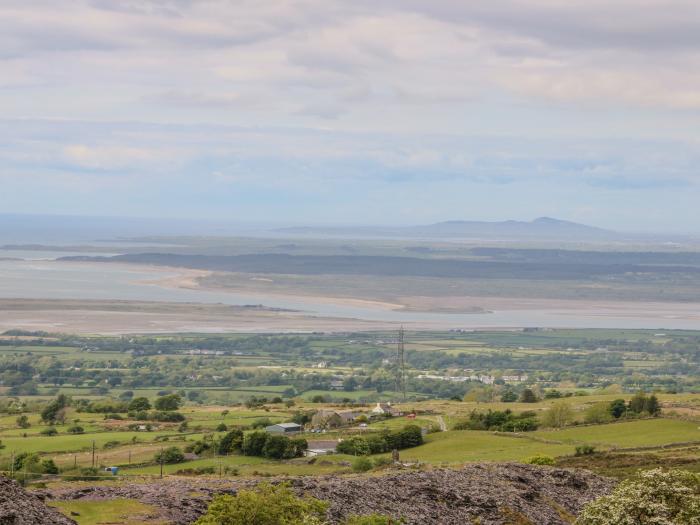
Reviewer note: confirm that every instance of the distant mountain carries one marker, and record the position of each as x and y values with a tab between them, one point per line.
541	228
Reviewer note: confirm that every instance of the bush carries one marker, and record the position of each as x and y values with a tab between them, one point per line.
49	467
353	446
362	464
540	459
598	413
168	403
265	505
111	444
558	415
75	429
382	462
49	431
221	427
655	496
169	456
199	471
254	443
167	417
585	450
231	442
139	404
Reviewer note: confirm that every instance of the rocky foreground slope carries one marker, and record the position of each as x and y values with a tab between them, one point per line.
484	493
19	507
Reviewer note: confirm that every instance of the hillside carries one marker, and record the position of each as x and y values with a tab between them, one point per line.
490	493
541	228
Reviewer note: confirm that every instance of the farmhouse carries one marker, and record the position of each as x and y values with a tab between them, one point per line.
284	428
386	408
333	418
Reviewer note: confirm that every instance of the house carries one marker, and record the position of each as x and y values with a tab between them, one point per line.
284	428
385	408
333	418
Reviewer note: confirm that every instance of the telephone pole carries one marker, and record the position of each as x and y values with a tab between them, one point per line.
401	365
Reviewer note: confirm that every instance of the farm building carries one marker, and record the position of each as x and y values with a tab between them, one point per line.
284	428
386	408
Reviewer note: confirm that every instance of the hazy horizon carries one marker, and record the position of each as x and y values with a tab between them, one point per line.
334	113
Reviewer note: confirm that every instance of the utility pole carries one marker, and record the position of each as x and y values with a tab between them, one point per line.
401	365
12	466
161	462
129	456
93	453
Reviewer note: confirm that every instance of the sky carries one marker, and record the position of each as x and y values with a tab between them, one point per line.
353	112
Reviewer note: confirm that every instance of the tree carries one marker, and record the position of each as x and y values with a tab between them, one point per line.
558	415
231	442
275	447
139	404
169	456
23	421
637	403
598	413
75	429
617	408
652	405
652	497
168	402
265	505
354	446
54	411
49	467
254	443
528	396
509	397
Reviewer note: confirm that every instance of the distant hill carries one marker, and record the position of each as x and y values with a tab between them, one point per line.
541	228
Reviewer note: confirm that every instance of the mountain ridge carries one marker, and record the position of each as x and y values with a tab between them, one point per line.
541	227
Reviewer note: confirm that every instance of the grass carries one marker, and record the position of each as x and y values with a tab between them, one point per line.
642	433
461	446
122	511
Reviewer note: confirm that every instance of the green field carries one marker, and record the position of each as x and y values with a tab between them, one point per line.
461	446
645	433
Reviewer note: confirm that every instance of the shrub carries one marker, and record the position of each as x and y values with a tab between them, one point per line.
540	459
598	413
168	402
23	421
382	462
585	450
49	467
231	442
169	456
353	446
75	429
361	464
221	427
49	431
528	396
558	415
265	505
167	417
111	444
655	496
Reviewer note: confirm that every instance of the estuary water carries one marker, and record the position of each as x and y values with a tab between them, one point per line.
45	278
